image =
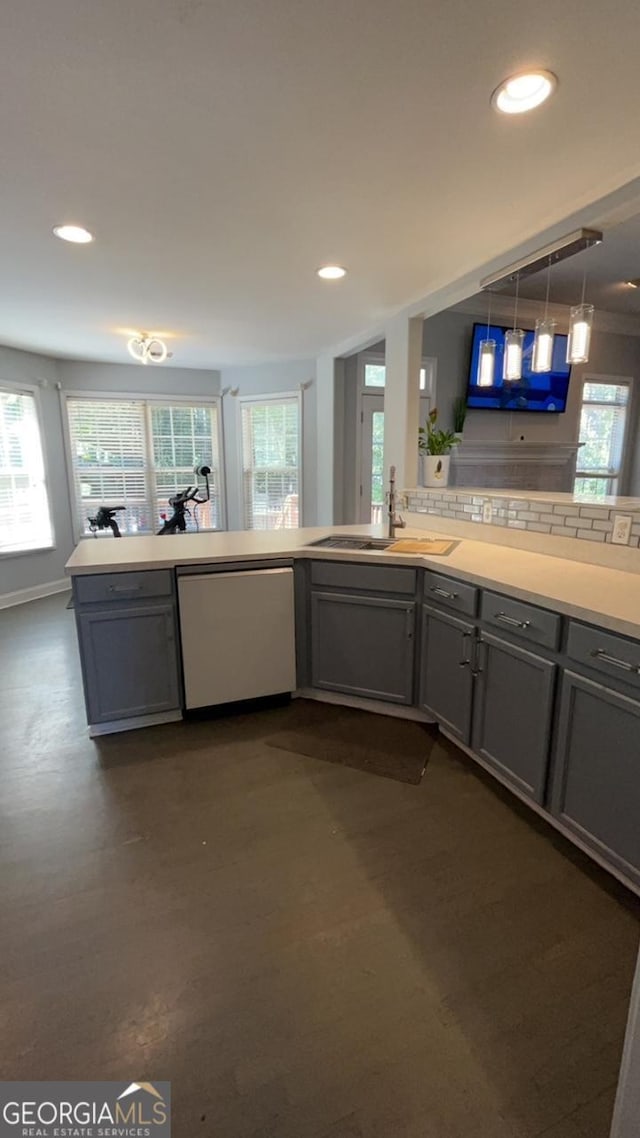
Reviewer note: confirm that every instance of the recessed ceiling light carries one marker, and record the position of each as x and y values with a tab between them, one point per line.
75	233
331	272
634	283
523	92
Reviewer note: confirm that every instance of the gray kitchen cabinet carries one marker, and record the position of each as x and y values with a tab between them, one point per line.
596	783
513	709
363	645
446	679
129	660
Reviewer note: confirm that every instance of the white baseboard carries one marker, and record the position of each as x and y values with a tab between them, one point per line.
21	596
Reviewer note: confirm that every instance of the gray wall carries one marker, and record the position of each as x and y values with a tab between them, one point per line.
269	379
29	570
83	375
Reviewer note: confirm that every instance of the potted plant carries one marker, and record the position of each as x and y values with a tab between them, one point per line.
459	415
435	448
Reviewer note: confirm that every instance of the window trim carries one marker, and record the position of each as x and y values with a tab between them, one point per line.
272	397
364	393
378	359
619	479
19	388
147	399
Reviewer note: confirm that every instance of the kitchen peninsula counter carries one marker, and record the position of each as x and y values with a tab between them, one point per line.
594	593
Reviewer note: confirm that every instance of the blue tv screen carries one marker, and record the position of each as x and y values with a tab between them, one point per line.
536	391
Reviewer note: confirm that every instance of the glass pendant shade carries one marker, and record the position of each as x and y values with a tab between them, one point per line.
543	345
486	363
512	365
580	324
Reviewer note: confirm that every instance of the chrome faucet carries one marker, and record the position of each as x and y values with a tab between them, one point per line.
395	521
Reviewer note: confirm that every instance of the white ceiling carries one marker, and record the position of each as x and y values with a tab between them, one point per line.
222	149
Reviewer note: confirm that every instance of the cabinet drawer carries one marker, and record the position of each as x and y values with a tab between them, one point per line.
457	595
606	652
530	623
99	587
369	578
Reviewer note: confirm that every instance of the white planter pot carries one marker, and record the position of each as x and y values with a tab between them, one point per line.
435	469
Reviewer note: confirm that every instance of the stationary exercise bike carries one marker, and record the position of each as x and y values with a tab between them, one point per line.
105	518
177	523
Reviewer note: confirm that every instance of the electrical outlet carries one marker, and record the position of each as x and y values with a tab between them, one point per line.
621	529
487	510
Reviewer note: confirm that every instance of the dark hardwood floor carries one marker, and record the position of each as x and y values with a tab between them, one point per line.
303	949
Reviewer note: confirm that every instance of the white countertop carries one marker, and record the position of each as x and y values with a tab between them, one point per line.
594	593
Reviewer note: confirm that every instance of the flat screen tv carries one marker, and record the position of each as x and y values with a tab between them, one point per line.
536	391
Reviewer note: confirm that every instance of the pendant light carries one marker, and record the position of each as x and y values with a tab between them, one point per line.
513	343
543	339
485	375
580	325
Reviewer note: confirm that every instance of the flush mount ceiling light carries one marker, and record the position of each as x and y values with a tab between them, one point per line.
147	349
634	283
523	92
331	272
77	234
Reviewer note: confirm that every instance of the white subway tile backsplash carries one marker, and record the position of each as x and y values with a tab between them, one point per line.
586	522
564	531
590	535
594	512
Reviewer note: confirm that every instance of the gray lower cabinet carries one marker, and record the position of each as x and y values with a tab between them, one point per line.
513	710
129	660
446	679
363	645
596	784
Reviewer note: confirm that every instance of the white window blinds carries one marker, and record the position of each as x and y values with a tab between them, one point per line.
138	453
271	462
25	521
603	419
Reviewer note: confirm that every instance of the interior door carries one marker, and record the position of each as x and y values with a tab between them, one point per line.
372	459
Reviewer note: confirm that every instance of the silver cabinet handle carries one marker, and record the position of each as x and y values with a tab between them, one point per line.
124	588
466	660
600	654
410	618
480	662
443	593
502	616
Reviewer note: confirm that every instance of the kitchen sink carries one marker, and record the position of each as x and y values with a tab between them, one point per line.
344	541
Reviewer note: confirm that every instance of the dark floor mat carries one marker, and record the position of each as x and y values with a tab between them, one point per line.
378	744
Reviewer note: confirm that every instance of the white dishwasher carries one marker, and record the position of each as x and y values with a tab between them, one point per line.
238	635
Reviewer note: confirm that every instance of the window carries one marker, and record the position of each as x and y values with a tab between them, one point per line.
271	462
603	419
375	375
137	453
25	520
